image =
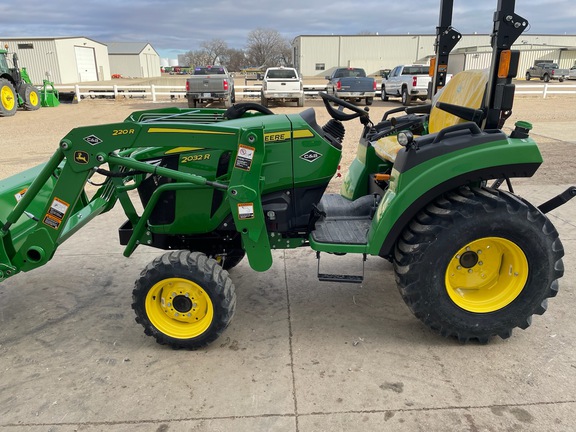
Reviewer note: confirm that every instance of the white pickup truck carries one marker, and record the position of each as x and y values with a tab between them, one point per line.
407	82
282	84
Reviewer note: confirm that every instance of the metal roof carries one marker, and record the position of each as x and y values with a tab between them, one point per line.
127	47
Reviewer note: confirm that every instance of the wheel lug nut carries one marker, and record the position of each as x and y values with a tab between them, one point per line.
469	270
480	263
459	268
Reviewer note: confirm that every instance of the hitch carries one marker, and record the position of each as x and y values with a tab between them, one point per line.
558	200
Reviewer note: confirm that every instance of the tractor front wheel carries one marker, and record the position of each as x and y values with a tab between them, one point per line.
477	263
30	96
8	99
184	299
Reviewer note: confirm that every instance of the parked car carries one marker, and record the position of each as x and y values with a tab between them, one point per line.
210	84
282	84
546	72
572	73
407	82
351	84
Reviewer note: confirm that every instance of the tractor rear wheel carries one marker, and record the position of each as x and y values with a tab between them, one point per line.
8	99
477	263
30	96
184	299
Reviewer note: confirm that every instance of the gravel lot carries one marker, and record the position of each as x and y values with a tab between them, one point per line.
29	138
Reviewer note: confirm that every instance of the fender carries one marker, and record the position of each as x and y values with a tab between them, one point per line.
421	176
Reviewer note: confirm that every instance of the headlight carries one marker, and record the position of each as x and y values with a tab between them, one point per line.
405	138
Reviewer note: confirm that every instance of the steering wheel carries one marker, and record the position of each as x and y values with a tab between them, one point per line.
238	110
339	114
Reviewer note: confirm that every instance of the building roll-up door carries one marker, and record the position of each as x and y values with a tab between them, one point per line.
86	64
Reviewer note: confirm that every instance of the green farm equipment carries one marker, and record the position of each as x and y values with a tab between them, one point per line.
16	90
472	260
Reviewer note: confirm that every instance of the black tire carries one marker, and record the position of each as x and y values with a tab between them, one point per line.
528	77
233	96
546	78
8	99
263	100
467	294
383	95
369	101
192	103
406	99
31	97
184	299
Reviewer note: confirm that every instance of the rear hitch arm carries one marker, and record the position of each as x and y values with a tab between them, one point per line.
558	200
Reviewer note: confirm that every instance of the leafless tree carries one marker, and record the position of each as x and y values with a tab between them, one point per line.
197	58
235	60
266	47
215	49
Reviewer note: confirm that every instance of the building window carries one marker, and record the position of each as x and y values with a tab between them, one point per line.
25	46
320	66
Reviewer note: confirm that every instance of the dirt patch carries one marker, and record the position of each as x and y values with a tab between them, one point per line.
29	138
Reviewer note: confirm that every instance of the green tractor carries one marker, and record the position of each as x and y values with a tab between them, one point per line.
15	90
472	260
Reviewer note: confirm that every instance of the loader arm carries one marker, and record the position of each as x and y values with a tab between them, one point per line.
45	206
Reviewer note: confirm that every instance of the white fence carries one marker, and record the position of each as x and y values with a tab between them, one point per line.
546	89
253	91
156	91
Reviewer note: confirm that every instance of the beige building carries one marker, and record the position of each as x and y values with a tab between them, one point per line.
318	55
65	60
133	59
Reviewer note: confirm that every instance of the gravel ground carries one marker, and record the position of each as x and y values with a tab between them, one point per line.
29	138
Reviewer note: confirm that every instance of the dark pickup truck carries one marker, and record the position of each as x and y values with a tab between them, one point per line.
546	72
351	84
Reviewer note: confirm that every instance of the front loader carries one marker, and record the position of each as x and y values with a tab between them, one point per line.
472	260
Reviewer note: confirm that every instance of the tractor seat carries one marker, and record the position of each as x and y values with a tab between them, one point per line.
465	89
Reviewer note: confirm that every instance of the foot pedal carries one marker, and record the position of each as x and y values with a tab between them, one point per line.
326	277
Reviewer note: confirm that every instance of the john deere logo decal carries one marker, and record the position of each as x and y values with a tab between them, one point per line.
81	157
310	156
93	140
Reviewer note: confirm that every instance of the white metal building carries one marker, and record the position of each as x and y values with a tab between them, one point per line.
318	55
66	59
133	59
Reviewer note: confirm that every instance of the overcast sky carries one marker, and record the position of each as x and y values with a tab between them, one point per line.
173	27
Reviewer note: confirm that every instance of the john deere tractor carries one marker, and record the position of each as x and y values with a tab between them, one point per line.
472	259
14	90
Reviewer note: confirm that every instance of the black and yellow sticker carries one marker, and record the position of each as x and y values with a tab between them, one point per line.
276	136
81	157
286	135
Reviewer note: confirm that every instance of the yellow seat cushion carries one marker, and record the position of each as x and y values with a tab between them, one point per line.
387	148
465	89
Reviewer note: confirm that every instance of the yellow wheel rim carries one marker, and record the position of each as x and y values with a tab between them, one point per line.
7	98
179	308
33	98
486	275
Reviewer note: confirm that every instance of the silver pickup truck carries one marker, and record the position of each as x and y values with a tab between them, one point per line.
210	84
